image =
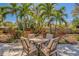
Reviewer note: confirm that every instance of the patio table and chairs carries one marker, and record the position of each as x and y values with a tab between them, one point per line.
37	43
40	45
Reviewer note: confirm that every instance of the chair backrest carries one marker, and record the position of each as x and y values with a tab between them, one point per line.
25	42
49	36
31	35
53	43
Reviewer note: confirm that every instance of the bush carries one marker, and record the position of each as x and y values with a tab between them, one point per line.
17	34
1	31
10	40
63	41
77	38
5	37
69	39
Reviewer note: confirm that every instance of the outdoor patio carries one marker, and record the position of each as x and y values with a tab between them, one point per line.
39	29
12	49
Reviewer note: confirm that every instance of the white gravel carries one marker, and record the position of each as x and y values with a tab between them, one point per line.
15	49
68	50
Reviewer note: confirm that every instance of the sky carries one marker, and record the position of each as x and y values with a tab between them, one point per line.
68	6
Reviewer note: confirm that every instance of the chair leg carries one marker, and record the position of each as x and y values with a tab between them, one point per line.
56	53
9	50
22	53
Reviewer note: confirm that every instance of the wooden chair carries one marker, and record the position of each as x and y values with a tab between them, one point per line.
28	47
30	36
50	49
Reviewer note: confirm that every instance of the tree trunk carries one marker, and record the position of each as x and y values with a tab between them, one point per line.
49	24
16	20
55	29
50	28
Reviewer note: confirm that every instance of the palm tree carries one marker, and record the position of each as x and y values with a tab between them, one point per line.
24	14
24	10
3	13
36	17
75	12
75	22
59	17
14	9
47	11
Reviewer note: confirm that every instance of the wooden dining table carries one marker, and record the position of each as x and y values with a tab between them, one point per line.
38	42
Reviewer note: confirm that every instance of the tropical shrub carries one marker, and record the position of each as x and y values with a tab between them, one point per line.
26	32
17	34
63	41
77	37
69	39
5	38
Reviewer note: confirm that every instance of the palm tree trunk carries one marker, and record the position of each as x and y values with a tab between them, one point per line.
16	20
49	24
2	19
50	28
55	29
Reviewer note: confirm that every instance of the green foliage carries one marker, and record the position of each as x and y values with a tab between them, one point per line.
18	34
36	16
11	40
75	22
77	38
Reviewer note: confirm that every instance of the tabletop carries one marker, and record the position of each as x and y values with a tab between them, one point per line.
39	40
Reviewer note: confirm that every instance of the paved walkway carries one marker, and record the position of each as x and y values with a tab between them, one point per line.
12	49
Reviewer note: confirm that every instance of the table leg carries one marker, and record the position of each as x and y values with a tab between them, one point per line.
39	50
38	47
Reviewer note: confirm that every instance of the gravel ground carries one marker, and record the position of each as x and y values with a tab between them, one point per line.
68	50
12	49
